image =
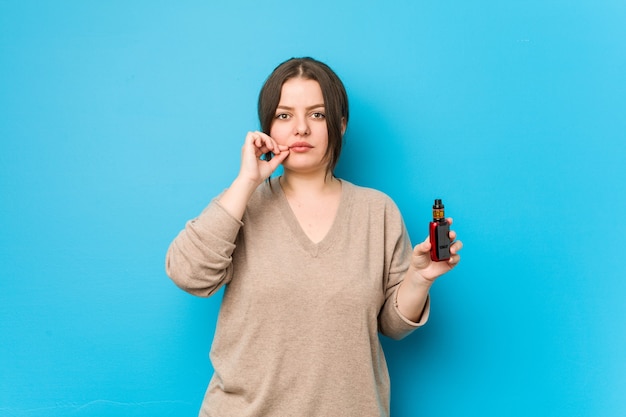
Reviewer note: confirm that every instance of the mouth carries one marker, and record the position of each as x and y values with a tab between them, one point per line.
300	147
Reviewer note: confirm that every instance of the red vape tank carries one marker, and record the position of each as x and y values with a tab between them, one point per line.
439	234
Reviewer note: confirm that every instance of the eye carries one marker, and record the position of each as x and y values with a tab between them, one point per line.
318	115
281	116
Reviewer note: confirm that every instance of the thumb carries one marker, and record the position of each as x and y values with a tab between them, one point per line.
422	247
421	254
278	159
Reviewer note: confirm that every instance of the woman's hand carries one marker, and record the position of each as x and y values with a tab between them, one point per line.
255	169
429	269
422	272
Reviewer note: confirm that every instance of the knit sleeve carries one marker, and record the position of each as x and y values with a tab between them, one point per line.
398	252
199	259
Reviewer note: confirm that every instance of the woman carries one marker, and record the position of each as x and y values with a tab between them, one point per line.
314	266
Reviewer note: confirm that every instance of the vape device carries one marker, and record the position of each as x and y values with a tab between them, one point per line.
439	234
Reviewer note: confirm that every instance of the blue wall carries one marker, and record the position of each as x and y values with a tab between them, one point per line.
121	120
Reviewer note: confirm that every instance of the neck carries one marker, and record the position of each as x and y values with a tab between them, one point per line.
311	184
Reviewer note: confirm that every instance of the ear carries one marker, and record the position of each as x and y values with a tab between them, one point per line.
343	125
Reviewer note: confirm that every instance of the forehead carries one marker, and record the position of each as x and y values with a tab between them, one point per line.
301	91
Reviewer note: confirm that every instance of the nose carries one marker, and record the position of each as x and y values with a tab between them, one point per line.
302	126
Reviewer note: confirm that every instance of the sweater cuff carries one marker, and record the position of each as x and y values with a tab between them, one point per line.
423	318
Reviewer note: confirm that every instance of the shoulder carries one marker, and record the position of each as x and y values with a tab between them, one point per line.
265	192
367	194
371	198
375	210
265	199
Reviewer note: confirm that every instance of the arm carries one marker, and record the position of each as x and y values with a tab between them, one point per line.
413	291
199	259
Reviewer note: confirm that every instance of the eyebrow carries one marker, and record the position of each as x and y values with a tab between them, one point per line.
315	106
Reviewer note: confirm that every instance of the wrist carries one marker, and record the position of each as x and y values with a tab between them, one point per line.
417	279
235	198
412	295
245	184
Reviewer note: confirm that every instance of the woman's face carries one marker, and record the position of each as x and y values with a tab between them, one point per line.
300	123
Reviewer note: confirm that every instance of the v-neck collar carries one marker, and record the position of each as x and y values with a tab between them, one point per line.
312	248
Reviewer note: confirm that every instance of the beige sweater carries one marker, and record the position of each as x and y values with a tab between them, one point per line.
297	332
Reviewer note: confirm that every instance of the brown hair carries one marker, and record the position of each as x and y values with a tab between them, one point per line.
333	91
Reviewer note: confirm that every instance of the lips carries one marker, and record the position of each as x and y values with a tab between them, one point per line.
300	147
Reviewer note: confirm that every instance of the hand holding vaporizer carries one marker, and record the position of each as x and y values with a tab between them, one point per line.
439	234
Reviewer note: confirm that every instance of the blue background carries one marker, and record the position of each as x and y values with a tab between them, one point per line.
120	120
